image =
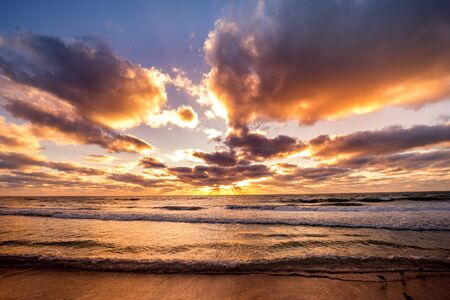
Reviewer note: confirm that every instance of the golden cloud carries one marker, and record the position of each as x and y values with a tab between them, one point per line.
102	87
19	138
183	116
326	60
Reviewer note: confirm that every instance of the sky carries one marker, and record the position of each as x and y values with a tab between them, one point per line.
224	97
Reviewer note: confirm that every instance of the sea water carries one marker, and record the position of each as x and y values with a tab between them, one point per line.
214	234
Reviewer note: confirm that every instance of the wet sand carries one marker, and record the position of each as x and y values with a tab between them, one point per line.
72	284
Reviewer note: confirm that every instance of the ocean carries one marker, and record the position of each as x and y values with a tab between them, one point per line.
229	234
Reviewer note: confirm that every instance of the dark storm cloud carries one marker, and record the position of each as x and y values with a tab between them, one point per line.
101	86
151	163
312	60
219	175
255	146
75	129
387	141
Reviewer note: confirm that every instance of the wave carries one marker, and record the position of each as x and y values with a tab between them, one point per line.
63	243
331	264
444	196
109	247
180	207
328	243
112	248
283	235
220	220
343	207
305	198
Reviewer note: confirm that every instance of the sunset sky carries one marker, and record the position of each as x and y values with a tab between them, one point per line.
224	97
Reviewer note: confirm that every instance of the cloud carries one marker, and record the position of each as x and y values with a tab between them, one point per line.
390	140
136	179
286	166
213	176
439	159
213	134
102	87
201	92
15	137
255	146
36	182
13	161
183	116
315	60
99	158
151	163
74	168
444	118
315	173
18	161
66	127
184	155
36	179
221	158
245	146
186	114
78	90
24	170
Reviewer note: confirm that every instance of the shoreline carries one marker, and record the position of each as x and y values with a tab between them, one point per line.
300	267
45	283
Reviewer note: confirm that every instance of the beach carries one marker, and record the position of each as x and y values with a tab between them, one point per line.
16	283
337	246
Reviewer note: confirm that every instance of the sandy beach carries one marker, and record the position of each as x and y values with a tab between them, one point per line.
71	284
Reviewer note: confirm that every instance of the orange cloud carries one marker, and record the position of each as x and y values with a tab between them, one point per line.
17	138
151	163
390	140
130	178
183	116
68	128
99	158
399	163
19	161
102	87
312	61
186	114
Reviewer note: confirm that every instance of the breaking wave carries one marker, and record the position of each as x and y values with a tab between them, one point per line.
332	264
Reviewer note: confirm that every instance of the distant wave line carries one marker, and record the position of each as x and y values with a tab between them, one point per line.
215	220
